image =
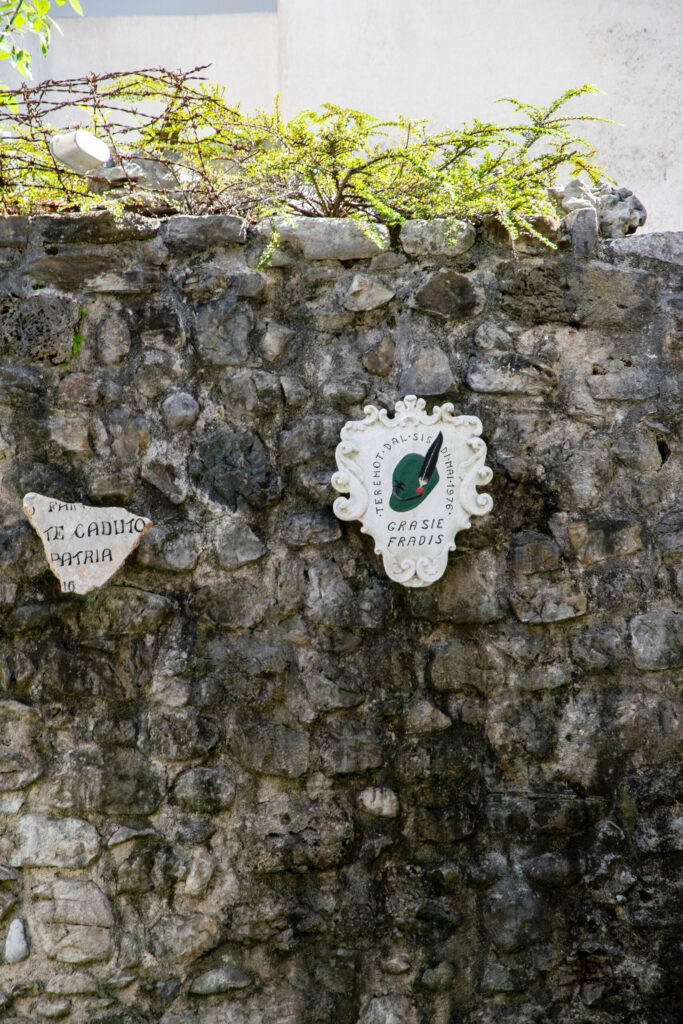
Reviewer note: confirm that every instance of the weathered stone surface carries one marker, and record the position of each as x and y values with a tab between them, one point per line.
256	753
468	592
367	293
69	430
655	639
532	552
547	601
221	332
583	231
276	751
331	238
595	541
92	272
180	411
276	341
109	782
237	545
201	871
80	388
437	237
303	529
84	546
38	328
597	649
54	1009
179	735
510	373
207	790
183	939
169	549
429	373
589	294
79	983
618	211
113	340
75	921
350	749
20	762
664	246
59	843
326	694
232	605
379	801
392	1009
14	231
167	478
448	294
615	381
380	360
233	463
100	226
290	833
512	916
221	979
423	718
120	611
185	233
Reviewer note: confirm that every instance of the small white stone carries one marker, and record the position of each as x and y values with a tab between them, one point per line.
379	801
84	546
16	946
423	717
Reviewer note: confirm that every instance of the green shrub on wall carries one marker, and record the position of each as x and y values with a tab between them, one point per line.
178	146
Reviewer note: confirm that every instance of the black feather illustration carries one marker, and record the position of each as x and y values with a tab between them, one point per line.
430	460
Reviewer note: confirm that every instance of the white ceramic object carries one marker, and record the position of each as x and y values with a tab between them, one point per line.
80	151
379	456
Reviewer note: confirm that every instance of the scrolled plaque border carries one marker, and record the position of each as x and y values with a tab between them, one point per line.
412	570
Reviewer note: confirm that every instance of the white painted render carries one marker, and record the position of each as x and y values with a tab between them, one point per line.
447	60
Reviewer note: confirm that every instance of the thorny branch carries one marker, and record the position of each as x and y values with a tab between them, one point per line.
176	145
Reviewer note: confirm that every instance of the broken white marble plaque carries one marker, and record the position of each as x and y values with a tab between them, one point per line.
412	482
84	546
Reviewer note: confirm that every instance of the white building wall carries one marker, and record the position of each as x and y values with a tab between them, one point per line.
447	60
242	49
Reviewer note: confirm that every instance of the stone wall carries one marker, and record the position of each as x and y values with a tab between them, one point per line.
251	781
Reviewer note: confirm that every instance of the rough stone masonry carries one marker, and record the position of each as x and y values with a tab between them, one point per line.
250	780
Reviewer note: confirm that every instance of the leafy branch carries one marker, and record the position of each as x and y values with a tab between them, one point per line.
17	18
178	146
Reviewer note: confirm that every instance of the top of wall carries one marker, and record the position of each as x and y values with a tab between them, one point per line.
313	238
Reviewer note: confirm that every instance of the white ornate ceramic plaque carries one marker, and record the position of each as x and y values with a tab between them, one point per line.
412	482
84	546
